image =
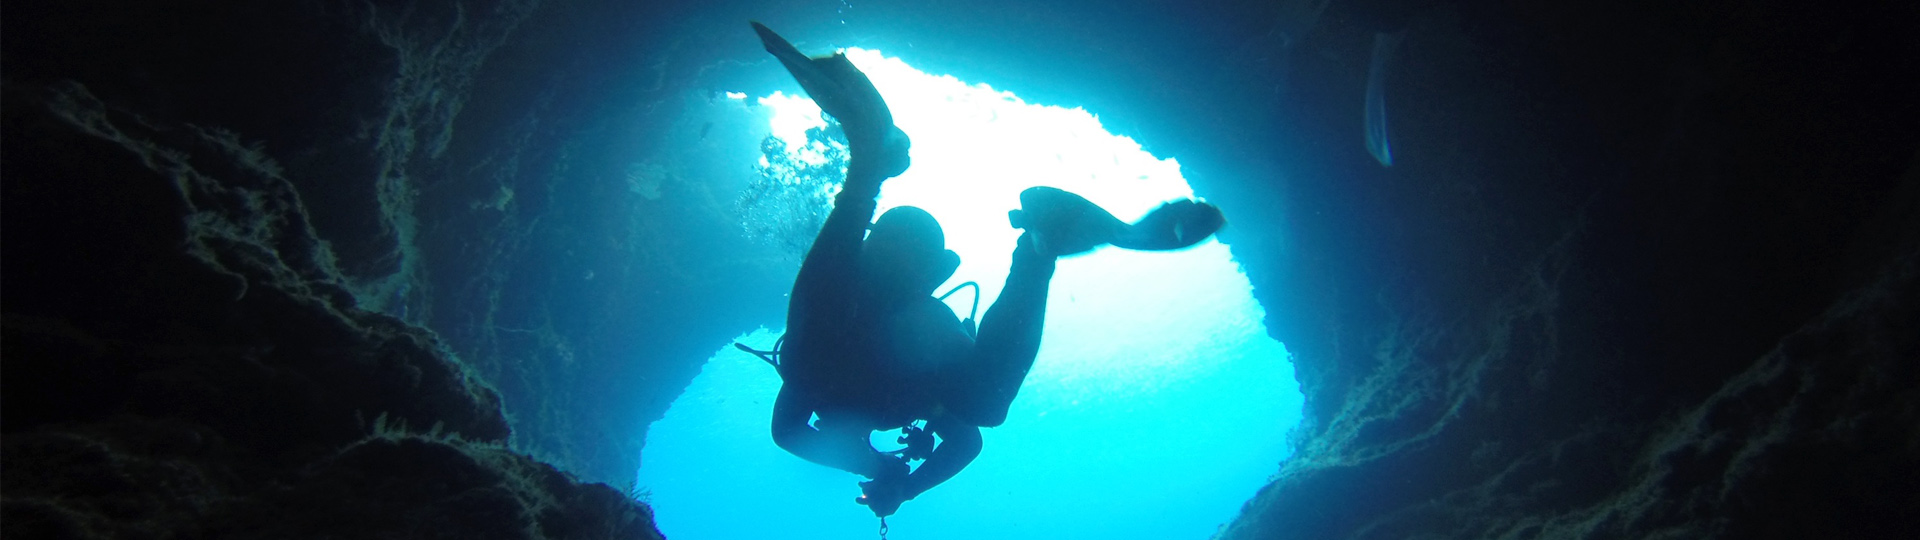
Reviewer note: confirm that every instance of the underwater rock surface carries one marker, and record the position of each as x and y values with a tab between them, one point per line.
183	361
1668	290
480	168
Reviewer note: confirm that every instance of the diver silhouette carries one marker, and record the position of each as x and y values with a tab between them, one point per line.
868	348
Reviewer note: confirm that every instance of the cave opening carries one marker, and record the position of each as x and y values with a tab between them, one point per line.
1158	404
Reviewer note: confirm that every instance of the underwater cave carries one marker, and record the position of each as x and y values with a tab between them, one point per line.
497	268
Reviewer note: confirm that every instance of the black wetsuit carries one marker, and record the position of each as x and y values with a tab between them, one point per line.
863	362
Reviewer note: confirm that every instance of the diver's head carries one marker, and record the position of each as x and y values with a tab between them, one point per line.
906	253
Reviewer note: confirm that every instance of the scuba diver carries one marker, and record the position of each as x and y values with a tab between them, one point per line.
868	348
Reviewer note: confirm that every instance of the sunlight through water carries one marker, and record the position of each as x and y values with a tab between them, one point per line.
1158	404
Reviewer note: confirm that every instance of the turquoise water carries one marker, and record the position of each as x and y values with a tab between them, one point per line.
1157	406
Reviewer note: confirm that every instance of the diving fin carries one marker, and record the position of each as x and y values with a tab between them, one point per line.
1174	225
846	94
1063	224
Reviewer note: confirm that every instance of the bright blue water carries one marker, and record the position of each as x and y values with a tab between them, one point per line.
1157	406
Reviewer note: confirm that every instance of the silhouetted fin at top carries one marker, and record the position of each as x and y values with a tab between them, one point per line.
844	93
1062	223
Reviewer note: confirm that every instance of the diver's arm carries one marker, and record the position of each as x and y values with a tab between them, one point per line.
959	444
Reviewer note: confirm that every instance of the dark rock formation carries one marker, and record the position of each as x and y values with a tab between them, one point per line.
1641	273
468	167
183	359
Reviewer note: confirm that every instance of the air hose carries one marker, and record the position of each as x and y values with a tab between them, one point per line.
972	329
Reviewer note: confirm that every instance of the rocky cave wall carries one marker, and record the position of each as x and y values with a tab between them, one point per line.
469	167
183	359
1638	273
218	227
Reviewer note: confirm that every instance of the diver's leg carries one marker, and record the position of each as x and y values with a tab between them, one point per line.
823	292
1009	338
843	447
876	150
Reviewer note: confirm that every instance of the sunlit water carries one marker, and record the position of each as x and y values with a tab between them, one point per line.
1157	406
